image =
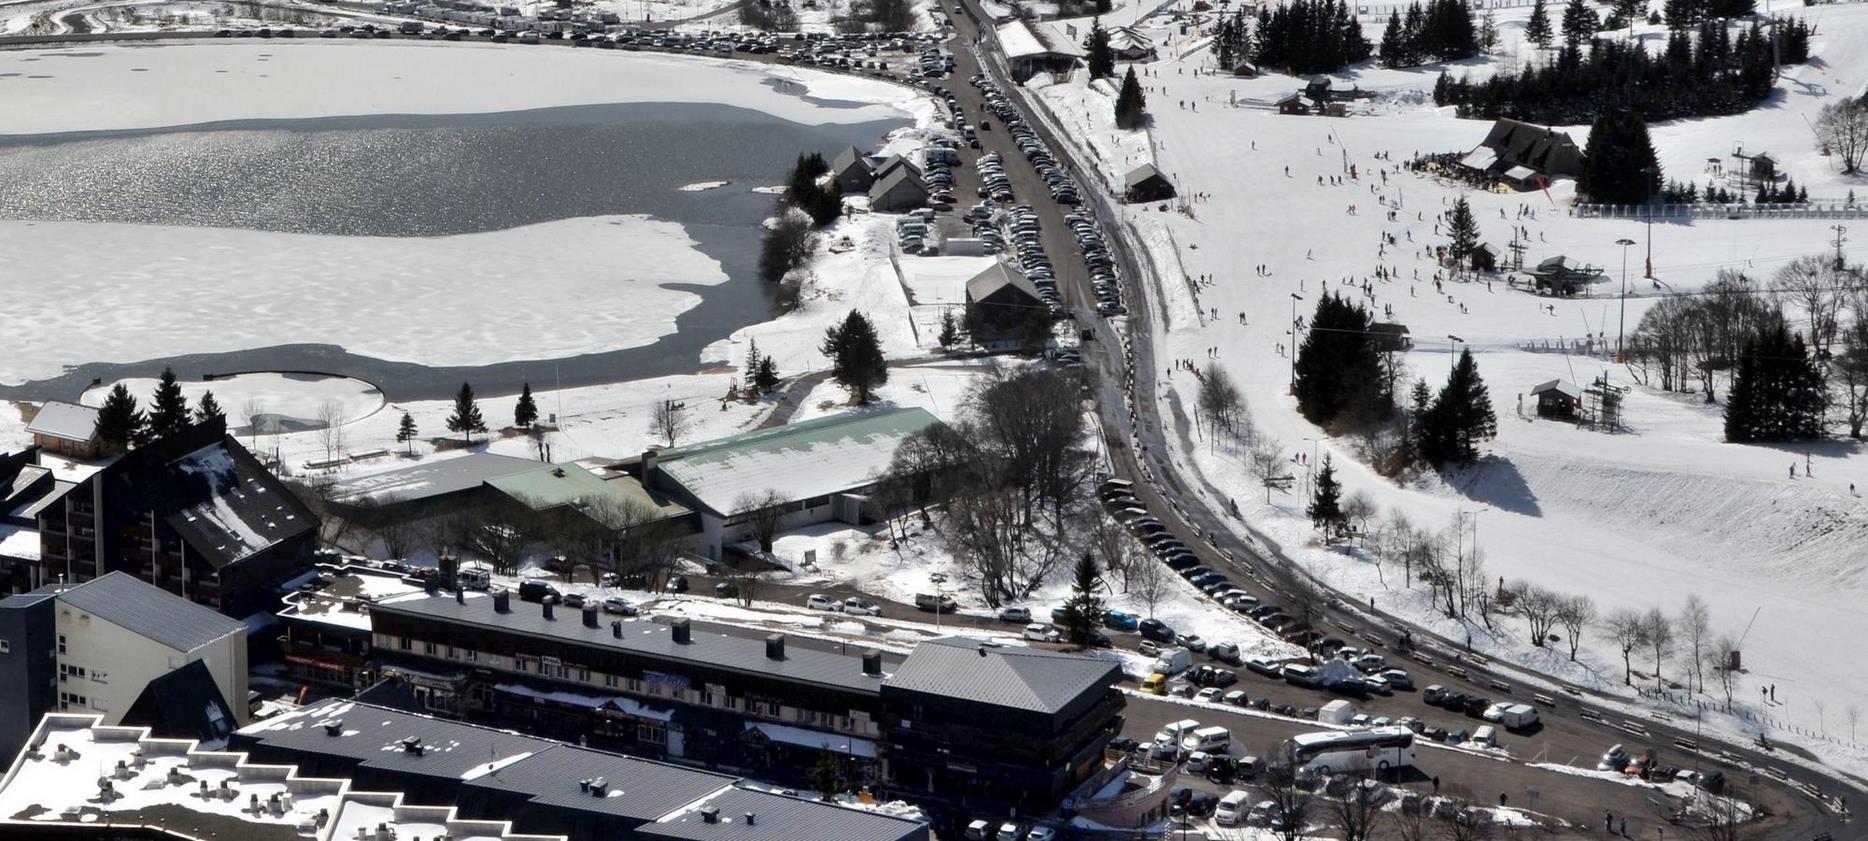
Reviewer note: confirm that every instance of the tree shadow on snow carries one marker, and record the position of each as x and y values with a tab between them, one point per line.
1495	481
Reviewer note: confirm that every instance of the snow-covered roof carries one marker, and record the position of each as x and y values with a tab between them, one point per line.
1563	387
813	739
431	478
243	512
19	542
1520	173
1018	41
67	421
998	276
1481	158
801	460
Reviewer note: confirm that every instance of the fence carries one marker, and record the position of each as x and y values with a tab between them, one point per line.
1382	10
1677	212
1571	347
1694	706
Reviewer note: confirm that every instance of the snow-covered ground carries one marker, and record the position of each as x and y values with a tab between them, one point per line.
1636	519
298	398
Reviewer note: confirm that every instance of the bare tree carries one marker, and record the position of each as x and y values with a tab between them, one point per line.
252	413
1114	549
1149	584
1854	713
1219	403
669	420
499	533
761	512
1539	607
1658	637
331	428
1357	811
1575	613
1629	631
1267	456
1850	367
1842	128
1413	824
1812	284
1467	824
1695	623
1289	800
1359	507
1716	658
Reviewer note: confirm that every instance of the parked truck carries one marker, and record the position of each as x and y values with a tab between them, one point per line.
1173	661
1338	711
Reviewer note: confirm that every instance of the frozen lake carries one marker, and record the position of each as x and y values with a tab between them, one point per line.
413	250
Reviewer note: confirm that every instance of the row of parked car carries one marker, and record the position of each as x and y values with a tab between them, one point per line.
911	230
994	183
1102	265
1063	190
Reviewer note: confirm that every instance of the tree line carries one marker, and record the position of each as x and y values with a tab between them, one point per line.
1309	36
122	424
810	202
1707	73
1784	384
1443	30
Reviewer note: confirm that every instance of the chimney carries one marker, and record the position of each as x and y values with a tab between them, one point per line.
547	610
649	457
616	629
334	727
431	585
460	596
775	647
502	601
599	787
872	662
749	819
680	629
711	814
590	617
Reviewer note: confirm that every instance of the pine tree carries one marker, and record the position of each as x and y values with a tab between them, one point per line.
1488	32
1131	106
767	377
1619	164
1084	610
525	412
1462	232
1326	510
949	329
168	409
1393	52
466	417
1461	416
1537	31
1419	401
856	360
120	423
209	409
405	432
1777	392
1338	366
1579	22
826	779
1100	58
752	361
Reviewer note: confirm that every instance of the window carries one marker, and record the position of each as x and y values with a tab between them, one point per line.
428	648
66	670
452	655
609	681
469	654
6	647
72	699
583	674
99	676
652	734
61	643
405	644
633	684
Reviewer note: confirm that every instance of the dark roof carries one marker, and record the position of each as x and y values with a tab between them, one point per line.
901	177
18	600
373	735
1562	387
1007	676
143	608
1142	173
637	788
847	158
229	507
781	818
708	646
183	704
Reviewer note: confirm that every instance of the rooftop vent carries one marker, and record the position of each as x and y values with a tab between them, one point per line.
681	631
547	609
334	727
616	628
710	815
749	819
502	601
412	744
872	662
599	787
590	616
775	647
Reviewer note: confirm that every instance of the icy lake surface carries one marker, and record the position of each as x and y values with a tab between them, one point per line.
429	247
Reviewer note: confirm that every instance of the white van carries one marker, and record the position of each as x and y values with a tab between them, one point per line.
1173	661
1214	740
1172	731
1338	711
1232	808
1486	735
473	579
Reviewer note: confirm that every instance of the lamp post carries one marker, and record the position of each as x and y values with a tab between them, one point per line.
1621	321
1453	358
937	579
1293	349
1650	174
1311	465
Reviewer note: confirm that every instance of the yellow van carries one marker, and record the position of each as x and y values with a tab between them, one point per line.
1156	684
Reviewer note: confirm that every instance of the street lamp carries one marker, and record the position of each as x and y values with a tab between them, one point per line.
1293	349
1454	356
1311	465
937	579
1621	322
1650	175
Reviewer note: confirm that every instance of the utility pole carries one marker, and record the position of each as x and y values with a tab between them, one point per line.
1292	351
1621	324
1841	237
1453	356
1650	175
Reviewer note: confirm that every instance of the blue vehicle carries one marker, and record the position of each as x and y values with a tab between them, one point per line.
1122	620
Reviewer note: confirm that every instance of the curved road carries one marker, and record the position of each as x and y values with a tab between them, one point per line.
1578	725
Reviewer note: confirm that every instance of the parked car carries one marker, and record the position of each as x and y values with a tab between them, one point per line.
1156	630
859	606
1121	620
1040	632
1150	648
1615	759
819	601
1191	642
1263	666
1225	651
726	590
1021	615
933	603
619	606
574	600
676	584
538	591
1210	694
1398	678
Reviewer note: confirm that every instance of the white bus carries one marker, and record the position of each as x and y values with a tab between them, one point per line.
1380	749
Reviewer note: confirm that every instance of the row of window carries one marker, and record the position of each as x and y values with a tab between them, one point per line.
711	695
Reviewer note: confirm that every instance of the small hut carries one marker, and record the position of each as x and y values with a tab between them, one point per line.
1485	258
1557	399
1145	183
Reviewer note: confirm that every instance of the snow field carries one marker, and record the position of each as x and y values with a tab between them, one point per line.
300	398
1634	520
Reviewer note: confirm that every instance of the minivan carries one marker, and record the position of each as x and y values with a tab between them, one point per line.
942	603
537	591
1214	740
1486	735
1232	808
473	579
